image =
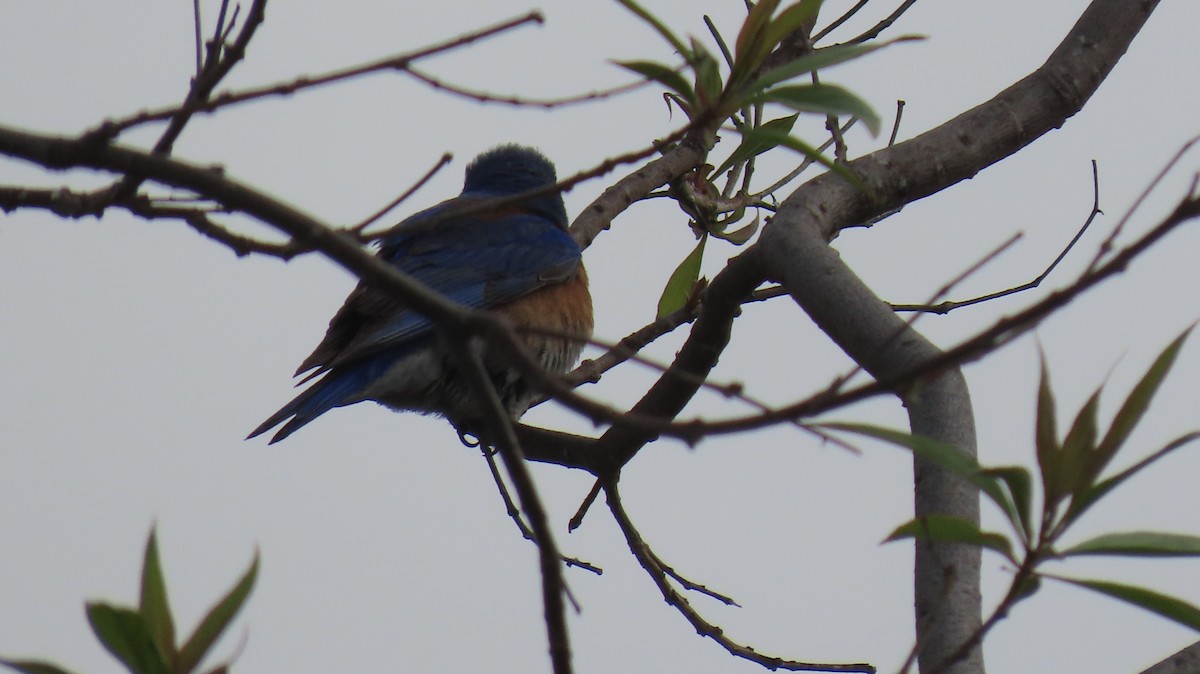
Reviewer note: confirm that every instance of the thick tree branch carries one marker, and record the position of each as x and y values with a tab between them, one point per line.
1186	661
939	407
947	583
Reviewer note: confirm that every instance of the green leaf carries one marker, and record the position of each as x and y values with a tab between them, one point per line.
1165	606
1079	448
708	74
752	146
153	604
683	279
822	58
950	529
826	99
34	667
1019	483
1048	449
789	21
741	235
1084	500
719	39
1138	544
126	635
760	34
749	46
943	454
657	25
1136	404
215	622
664	75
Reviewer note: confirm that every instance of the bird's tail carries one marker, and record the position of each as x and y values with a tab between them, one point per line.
335	389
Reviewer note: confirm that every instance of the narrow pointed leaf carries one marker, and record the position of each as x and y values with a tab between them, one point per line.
741	235
34	667
719	39
218	618
1168	607
682	280
950	529
124	633
1081	502
1020	487
1079	448
753	28
1138	401
943	454
153	604
1046	439
822	58
708	74
767	36
754	145
826	99
1138	544
657	25
790	20
668	77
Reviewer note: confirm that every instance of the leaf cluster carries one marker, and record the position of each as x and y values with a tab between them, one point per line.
1070	474
143	637
733	92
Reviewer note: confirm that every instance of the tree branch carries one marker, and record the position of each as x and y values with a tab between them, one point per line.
796	253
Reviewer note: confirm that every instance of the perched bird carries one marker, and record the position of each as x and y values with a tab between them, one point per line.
516	260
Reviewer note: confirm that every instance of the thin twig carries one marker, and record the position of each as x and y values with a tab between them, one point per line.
203	103
896	123
481	96
514	513
649	562
445	159
577	519
840	20
882	25
985	341
500	429
199	38
691	585
946	307
1107	245
808	161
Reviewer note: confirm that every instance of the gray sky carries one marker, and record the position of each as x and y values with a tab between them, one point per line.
134	356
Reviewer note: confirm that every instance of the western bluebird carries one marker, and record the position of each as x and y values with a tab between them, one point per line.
516	260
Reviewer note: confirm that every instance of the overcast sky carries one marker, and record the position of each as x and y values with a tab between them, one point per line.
135	356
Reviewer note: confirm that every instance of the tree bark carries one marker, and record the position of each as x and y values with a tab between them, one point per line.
793	250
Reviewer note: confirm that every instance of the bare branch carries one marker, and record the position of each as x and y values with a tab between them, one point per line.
445	159
514	513
500	432
651	564
948	306
524	101
199	99
883	25
1186	661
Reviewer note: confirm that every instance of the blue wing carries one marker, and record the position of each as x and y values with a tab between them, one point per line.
479	261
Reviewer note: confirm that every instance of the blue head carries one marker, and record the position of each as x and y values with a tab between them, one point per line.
512	169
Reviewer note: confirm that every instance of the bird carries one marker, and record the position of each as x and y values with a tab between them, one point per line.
516	260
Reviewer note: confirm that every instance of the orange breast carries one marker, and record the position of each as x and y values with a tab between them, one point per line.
562	307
